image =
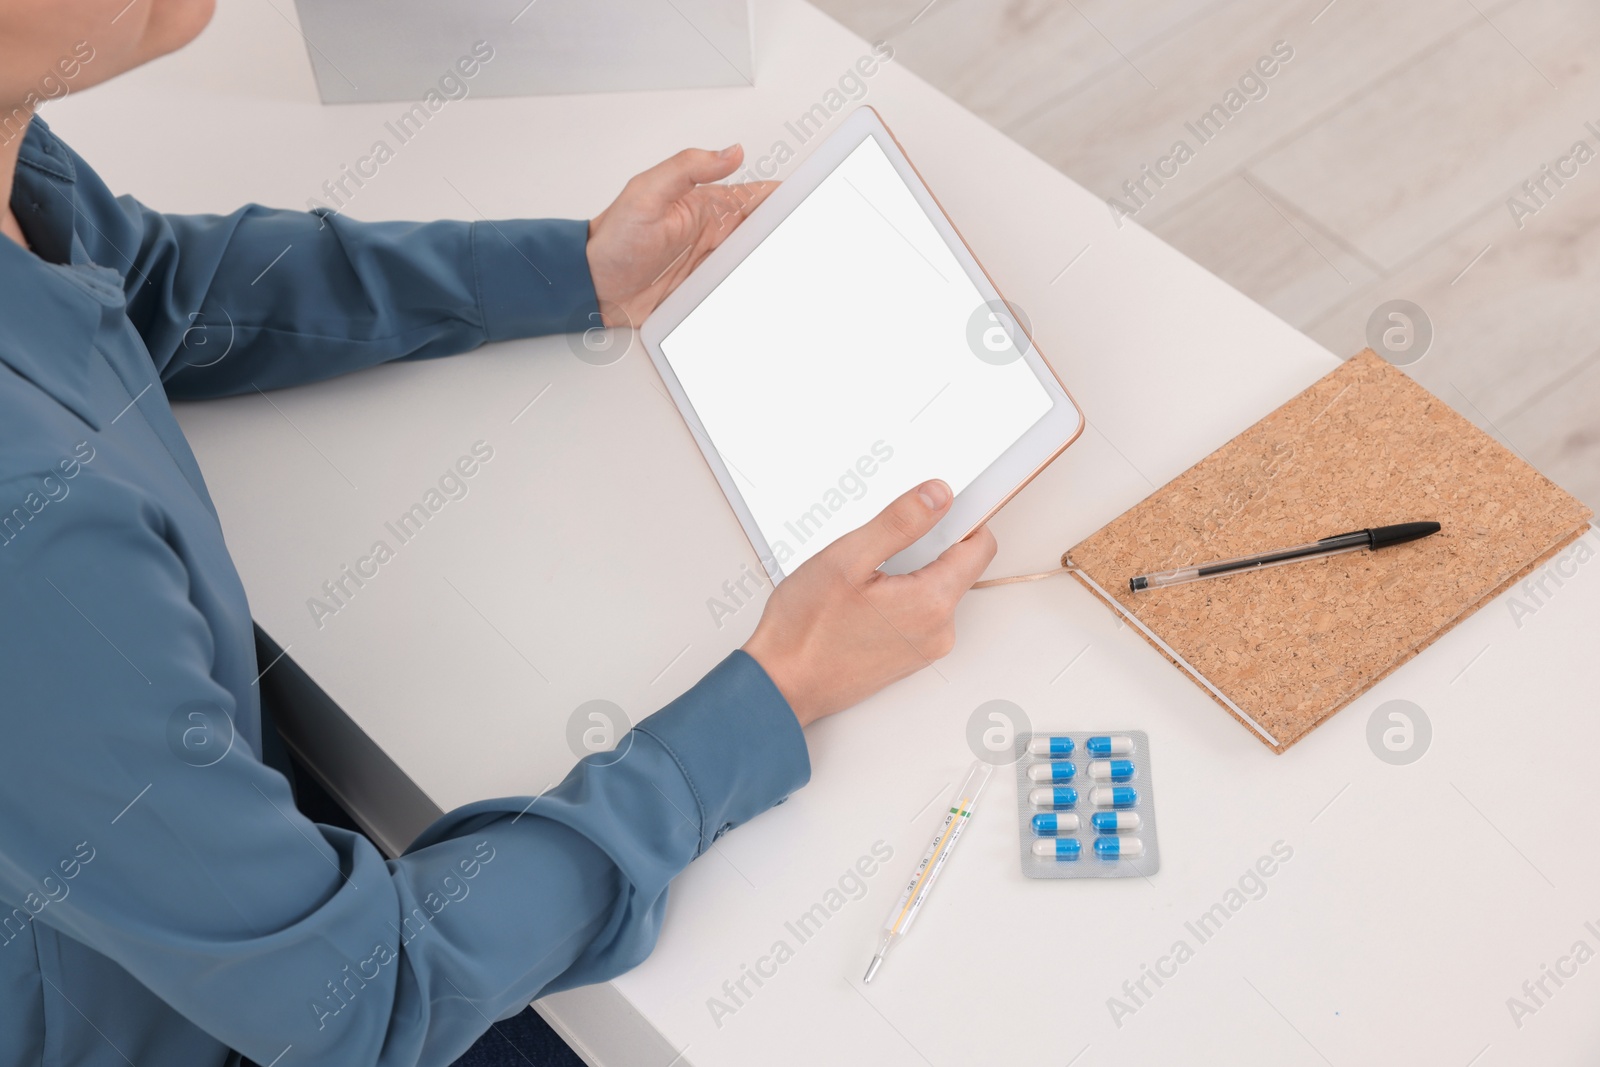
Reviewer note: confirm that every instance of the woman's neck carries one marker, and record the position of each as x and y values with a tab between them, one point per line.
8	174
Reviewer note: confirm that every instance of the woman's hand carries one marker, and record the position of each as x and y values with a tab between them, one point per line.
837	630
662	226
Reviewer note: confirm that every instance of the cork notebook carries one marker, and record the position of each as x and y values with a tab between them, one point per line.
1284	648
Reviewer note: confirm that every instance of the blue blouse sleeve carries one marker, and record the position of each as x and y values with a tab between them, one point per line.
267	930
266	298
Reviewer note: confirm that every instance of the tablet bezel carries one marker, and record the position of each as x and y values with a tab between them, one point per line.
1001	480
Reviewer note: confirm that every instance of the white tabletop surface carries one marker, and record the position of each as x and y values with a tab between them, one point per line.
1418	898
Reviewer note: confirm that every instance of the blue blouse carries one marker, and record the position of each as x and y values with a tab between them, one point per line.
158	908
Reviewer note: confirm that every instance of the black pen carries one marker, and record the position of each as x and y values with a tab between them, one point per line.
1356	540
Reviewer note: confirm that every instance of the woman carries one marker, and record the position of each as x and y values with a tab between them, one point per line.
163	909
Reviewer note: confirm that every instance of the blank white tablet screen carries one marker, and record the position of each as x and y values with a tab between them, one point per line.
832	368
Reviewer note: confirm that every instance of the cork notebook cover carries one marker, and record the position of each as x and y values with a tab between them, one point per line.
1284	648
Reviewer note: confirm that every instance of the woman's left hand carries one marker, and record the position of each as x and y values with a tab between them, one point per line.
662	225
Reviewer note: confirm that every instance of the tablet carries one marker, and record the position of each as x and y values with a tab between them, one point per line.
842	346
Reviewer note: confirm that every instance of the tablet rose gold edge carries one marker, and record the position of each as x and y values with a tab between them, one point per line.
1083	420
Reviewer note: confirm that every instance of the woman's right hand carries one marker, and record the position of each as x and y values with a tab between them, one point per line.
838	630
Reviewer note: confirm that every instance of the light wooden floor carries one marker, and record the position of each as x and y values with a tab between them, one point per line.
1378	165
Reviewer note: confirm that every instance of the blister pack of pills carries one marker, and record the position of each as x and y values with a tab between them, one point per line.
1086	805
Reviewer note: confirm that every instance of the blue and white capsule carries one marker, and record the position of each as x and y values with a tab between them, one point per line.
1113	796
1055	824
1060	848
1117	770
1057	797
1113	745
1117	848
1054	771
1054	747
1114	822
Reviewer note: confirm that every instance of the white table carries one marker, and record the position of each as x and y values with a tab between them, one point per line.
1418	899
